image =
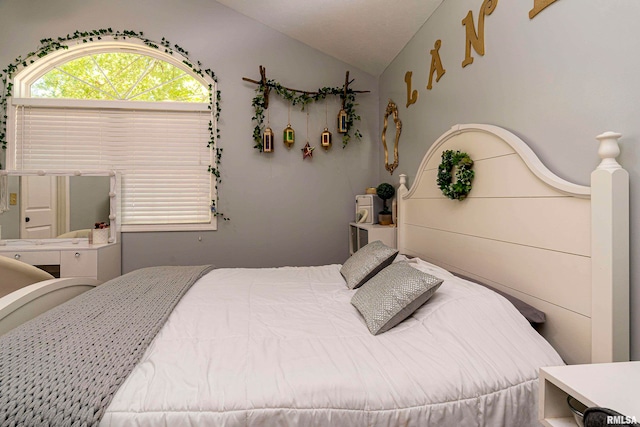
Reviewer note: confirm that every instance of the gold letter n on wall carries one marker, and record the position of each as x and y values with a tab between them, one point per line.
473	38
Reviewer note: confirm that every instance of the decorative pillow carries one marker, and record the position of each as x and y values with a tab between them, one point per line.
366	262
393	295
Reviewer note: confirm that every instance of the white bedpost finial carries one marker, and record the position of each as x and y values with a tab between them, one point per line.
402	188
403	180
609	150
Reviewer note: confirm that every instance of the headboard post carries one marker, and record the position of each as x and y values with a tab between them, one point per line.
400	193
610	255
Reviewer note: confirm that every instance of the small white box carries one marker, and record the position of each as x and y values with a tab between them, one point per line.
368	206
100	236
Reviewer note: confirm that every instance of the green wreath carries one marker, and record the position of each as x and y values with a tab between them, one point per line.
460	188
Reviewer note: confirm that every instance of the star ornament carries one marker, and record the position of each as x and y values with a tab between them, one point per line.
307	151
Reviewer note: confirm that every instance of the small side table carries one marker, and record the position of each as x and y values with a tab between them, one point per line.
361	234
610	385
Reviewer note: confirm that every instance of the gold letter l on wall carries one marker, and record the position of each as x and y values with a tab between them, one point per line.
412	96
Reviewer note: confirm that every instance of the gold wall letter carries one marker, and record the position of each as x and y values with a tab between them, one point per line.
538	6
412	97
476	39
436	64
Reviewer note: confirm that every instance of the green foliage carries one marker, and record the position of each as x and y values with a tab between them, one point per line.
385	191
302	99
121	76
459	189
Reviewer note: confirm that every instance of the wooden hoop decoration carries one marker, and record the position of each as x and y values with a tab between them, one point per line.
392	109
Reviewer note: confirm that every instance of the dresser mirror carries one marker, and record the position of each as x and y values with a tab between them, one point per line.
52	207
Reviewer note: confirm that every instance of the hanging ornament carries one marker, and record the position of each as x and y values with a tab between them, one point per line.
307	150
342	121
267	138
325	138
289	135
267	141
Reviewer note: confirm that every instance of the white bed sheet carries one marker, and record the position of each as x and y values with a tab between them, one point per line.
284	347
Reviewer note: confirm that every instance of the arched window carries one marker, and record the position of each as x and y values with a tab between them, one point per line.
122	106
119	76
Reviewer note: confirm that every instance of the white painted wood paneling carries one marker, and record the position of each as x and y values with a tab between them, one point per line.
558	278
567	331
559	224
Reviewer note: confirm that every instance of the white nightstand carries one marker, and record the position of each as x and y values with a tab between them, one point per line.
609	385
361	234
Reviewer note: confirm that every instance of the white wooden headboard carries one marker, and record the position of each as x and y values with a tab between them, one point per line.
561	247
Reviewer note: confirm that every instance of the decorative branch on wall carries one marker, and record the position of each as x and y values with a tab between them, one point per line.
346	118
49	45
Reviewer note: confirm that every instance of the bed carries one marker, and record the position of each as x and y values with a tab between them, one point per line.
285	346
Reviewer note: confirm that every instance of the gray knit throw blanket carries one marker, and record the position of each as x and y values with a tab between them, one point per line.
63	367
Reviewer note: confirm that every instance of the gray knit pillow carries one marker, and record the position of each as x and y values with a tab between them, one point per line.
393	295
366	262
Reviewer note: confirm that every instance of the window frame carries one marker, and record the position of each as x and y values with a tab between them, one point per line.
23	80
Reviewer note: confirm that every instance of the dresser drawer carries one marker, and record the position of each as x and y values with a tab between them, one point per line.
35	257
80	263
101	262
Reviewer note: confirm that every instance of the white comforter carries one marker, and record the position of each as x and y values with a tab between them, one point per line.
284	347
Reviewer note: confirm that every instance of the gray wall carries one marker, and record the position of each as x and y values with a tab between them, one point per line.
283	210
88	201
556	81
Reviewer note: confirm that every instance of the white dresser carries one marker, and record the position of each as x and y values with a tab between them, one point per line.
74	258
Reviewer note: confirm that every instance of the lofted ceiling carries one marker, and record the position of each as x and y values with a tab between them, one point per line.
367	34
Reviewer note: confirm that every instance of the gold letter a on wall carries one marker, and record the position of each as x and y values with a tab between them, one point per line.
436	64
473	38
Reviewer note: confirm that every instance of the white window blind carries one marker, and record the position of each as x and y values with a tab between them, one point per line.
162	156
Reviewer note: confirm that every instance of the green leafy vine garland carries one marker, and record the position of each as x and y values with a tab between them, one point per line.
49	45
258	103
459	189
